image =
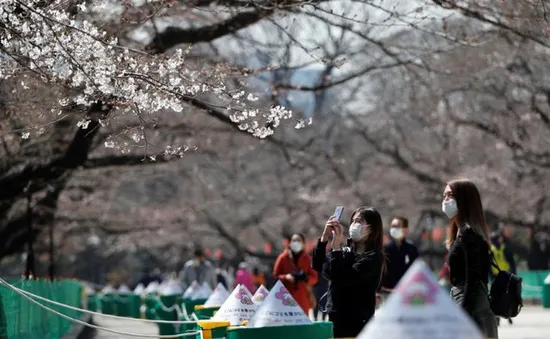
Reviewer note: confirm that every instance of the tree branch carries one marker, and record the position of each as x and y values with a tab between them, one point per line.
173	36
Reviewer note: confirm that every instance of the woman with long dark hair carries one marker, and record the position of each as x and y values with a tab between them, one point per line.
469	257
354	272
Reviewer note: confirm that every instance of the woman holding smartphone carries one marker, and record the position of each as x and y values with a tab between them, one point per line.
354	272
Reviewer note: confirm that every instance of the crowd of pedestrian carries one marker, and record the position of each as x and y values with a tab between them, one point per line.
348	270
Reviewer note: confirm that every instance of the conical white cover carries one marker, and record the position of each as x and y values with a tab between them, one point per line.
152	287
419	308
139	289
279	309
218	297
124	289
237	308
171	287
204	291
260	295
547	279
108	289
192	291
162	285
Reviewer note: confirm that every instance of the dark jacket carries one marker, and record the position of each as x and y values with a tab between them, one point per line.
539	255
398	258
353	280
469	262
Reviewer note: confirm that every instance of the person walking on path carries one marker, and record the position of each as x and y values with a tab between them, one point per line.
198	269
469	253
504	258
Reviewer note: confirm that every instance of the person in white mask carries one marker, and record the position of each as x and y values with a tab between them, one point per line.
354	271
400	253
293	268
469	257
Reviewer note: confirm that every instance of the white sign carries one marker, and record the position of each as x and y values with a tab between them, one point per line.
108	289
204	292
279	309
237	308
419	308
152	287
260	295
171	287
218	297
124	289
192	291
139	289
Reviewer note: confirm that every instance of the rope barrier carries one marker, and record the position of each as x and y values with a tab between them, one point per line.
78	321
31	295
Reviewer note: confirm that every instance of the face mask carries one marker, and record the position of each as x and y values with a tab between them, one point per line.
396	232
296	246
355	232
449	208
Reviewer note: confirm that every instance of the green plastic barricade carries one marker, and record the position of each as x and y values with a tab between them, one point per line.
165	309
3	325
108	304
21	318
212	329
190	304
127	305
546	292
151	301
317	330
532	284
188	327
204	313
92	302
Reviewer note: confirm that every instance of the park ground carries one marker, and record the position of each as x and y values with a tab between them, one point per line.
532	323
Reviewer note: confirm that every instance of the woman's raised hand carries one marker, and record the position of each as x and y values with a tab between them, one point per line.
333	225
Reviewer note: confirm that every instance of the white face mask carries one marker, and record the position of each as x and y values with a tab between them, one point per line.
449	208
356	232
296	246
396	232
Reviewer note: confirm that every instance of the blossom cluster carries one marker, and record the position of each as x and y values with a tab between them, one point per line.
76	54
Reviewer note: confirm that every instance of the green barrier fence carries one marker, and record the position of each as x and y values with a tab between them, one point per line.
318	330
165	311
532	285
22	319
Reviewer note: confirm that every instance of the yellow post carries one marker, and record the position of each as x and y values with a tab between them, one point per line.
208	325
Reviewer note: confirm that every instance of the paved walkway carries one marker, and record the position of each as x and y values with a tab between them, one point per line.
532	323
128	326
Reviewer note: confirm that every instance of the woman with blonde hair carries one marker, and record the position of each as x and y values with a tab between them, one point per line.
469	257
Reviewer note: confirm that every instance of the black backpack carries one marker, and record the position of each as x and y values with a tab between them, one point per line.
505	296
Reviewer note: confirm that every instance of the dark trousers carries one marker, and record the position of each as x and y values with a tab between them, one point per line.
320	294
480	310
345	326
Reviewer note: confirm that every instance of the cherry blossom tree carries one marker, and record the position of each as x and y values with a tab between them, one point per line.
397	91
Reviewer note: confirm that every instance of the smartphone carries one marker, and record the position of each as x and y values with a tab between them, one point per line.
338	212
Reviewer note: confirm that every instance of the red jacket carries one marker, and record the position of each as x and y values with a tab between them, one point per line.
298	289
